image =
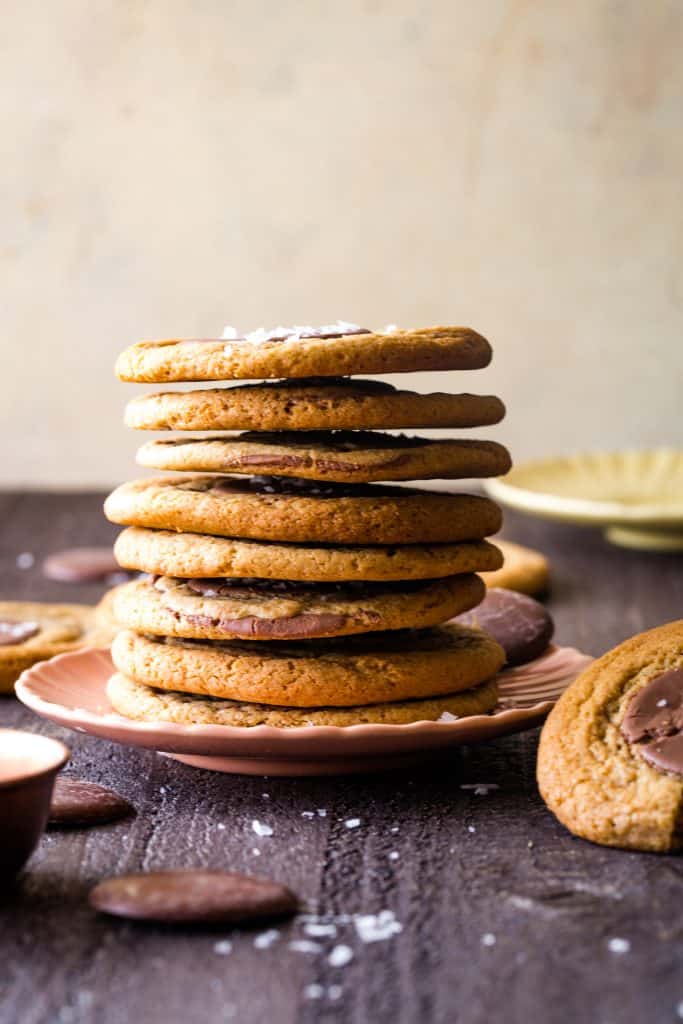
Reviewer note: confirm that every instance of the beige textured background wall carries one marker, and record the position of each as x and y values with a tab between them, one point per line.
169	166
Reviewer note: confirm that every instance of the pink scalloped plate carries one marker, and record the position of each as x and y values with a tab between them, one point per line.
71	691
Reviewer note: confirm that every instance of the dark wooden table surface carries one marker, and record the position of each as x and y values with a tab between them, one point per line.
505	916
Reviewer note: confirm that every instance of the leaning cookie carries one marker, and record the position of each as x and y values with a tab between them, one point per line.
167	553
224	609
610	762
523	569
333	351
275	508
364	669
140	702
32	632
343	456
321	404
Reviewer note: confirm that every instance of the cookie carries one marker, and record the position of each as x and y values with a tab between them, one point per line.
140	702
337	350
220	609
366	669
167	553
32	632
522	626
193	897
332	404
343	457
275	508
610	761
523	569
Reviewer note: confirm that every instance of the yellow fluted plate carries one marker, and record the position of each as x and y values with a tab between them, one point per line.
636	495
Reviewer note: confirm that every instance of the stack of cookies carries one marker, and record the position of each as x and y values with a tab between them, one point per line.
308	594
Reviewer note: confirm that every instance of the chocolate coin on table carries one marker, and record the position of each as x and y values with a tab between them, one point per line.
193	897
522	626
76	803
82	565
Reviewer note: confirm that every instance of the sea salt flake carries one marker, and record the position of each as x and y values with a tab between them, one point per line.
394	855
481	788
394	830
260	828
321	812
390	329
619	946
376	927
335	992
221	826
308	814
679	1010
320	930
488	939
352	823
229	333
446	716
471	828
26	560
314	991
663	703
266	939
340	956
305	946
223	948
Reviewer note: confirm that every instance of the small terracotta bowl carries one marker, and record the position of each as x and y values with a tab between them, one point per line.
28	766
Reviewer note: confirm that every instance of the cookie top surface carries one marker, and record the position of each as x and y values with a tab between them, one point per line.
304	352
608	763
137	701
522	626
38	626
289	509
167	552
340	456
310	404
279	609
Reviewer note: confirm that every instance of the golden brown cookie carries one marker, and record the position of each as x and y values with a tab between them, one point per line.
304	352
342	456
275	508
332	404
523	569
231	609
167	553
32	632
610	761
364	669
143	703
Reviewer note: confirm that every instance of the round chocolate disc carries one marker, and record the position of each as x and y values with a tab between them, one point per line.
76	803
522	626
81	565
193	897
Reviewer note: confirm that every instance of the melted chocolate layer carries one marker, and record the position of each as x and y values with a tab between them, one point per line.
654	720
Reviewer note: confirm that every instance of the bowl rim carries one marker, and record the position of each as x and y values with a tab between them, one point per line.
51	765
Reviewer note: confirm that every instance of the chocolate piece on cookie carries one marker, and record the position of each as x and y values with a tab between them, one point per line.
232	609
310	404
167	553
193	897
341	456
523	569
146	704
285	509
364	669
610	762
304	352
522	626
